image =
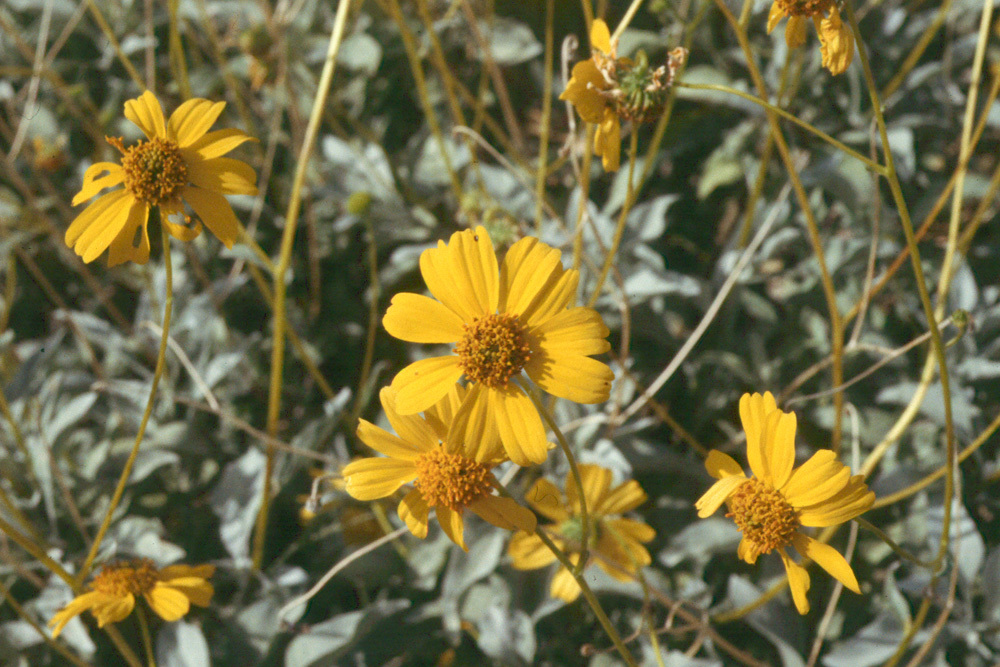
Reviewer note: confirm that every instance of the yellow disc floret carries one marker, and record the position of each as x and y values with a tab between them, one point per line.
155	170
122	579
493	350
763	515
451	480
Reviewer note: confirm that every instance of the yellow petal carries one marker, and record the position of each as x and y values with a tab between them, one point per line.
618	554
215	144
553	299
423	383
123	247
169	603
608	141
463	275
180	571
413	511
584	91
92	231
779	446
623	498
420	319
564	586
528	552
546	498
774	16
185	232
146	112
505	513
798	582
223	175
600	36
451	523
373	478
197	590
574	331
579	379
827	558
473	431
795	31
115	609
753	413
441	415
386	443
595	481
748	550
415	433
836	42
93	182
215	212
191	120
520	427
631	530
75	607
530	268
716	495
816	480
720	465
853	500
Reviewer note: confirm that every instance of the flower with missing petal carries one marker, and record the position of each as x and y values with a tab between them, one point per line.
170	592
178	163
449	469
836	40
614	543
503	320
771	507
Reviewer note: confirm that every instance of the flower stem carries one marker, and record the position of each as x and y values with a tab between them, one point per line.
900	551
630	195
543	135
147	641
629	15
161	357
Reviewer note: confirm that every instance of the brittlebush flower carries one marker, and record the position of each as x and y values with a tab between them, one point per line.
178	163
614	543
835	39
587	90
503	320
770	507
170	592
449	469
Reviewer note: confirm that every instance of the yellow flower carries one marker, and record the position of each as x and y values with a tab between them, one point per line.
836	41
450	470
587	90
614	543
170	592
503	320
770	507
179	163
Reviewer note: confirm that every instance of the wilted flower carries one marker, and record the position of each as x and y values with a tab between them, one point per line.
835	39
770	507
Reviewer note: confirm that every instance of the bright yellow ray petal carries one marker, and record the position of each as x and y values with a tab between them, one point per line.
529	269
827	558
753	413
774	16
748	551
473	431
386	443
198	591
215	212
123	248
373	478
630	529
579	379
94	236
608	140
816	480
554	298
623	498
169	603
215	144
415	433
564	586
795	31
721	465
451	523
413	511
442	414
595	481
93	182
146	112
520	427
77	606
836	42
191	120
583	91
600	36
716	495
546	498
463	275
504	513
419	319
574	331
114	610
798	582
779	446
423	383
853	500
223	175
528	552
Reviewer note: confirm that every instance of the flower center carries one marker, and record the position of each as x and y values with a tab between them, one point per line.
493	349
451	480
804	7
763	515
121	579
155	170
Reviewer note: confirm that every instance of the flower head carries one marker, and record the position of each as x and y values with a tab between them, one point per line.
170	592
178	163
613	542
771	507
449	468
835	39
503	320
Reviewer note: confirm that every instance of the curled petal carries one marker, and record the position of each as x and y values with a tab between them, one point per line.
798	582
146	112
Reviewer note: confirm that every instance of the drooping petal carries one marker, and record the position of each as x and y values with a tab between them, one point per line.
373	478
473	431
172	573
546	499
215	212
198	591
600	36
571	376
623	498
583	91
94	182
795	31
564	586
574	331
191	120
619	553
816	480
77	606
827	558
413	511
423	383
854	499
123	247
504	513
386	443
836	42
115	609
528	552
798	582
463	275
169	603
419	319
748	550
215	144
96	227
721	465
451	524
520	427
774	16
753	413
716	495
184	232
608	140
529	269
416	433
146	112
595	481
223	175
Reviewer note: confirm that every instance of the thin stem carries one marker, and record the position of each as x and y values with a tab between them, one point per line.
147	642
161	357
609	258
543	134
629	15
900	551
36	552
